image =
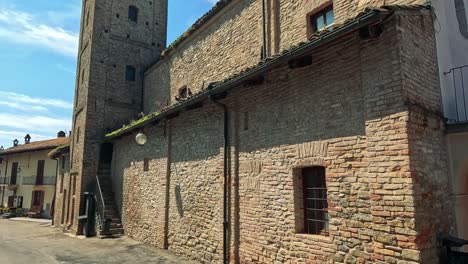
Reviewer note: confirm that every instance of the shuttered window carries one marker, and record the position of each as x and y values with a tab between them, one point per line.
40	172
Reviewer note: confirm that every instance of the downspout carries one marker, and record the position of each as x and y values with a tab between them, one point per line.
4	181
225	177
264	48
55	190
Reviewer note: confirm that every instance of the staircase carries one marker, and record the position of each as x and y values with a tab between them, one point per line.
106	208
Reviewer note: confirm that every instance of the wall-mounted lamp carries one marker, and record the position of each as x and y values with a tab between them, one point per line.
141	139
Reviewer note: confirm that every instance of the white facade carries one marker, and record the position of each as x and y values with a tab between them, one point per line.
450	22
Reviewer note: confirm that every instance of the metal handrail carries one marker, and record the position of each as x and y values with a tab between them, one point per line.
459	80
100	202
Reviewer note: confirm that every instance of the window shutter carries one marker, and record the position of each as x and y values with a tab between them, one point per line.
40	172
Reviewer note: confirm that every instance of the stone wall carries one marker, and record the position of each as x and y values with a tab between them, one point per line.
63	194
385	161
232	41
104	99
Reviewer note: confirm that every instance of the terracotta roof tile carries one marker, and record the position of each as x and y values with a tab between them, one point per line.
36	145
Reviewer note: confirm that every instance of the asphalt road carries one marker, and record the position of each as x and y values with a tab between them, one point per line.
31	243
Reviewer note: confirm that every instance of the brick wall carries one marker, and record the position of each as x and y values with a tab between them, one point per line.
232	41
104	99
350	112
62	194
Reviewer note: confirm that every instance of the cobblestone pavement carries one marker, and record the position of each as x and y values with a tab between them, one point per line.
32	242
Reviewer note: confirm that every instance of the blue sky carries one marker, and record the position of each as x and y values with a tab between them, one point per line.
38	47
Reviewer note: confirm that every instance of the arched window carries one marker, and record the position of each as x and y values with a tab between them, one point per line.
133	14
130	73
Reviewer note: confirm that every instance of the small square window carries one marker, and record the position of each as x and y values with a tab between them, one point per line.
130	73
322	19
184	93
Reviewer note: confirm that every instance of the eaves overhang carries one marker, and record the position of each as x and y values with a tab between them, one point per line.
371	17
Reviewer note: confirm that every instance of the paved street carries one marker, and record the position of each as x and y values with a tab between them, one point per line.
29	243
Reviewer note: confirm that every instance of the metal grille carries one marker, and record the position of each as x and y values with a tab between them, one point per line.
315	201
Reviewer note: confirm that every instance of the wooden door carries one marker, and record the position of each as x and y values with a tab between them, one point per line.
11	201
40	172
37	201
14	173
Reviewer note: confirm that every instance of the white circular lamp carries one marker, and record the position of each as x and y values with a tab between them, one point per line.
141	139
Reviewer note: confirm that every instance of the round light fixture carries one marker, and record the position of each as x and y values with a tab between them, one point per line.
141	139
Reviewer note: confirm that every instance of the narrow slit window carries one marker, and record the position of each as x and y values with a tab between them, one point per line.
130	73
146	164
133	14
78	135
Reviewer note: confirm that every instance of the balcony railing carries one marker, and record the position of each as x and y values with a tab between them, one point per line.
7	180
459	110
32	180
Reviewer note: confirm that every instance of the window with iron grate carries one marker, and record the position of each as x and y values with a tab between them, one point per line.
311	194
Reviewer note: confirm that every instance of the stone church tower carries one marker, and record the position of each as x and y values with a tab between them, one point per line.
118	40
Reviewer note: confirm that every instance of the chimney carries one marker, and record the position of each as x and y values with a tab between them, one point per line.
15	143
61	134
27	139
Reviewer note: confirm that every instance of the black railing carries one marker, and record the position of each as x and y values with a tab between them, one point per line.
460	79
453	246
4	180
34	180
7	181
100	205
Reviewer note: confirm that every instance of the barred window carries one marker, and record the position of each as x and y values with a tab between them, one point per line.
314	195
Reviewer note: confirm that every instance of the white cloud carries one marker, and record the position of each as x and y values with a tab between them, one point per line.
23	107
212	1
34	123
21	27
66	69
27	103
22	114
9	136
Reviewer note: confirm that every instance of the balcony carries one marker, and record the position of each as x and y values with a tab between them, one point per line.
5	181
456	83
33	180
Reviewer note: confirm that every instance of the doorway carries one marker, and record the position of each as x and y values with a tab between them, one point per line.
37	201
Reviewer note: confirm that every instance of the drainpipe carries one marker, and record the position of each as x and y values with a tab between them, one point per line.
264	48
4	181
225	176
54	202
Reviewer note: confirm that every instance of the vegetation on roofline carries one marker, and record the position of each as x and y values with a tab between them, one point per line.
58	149
132	125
